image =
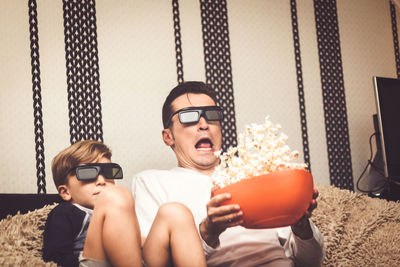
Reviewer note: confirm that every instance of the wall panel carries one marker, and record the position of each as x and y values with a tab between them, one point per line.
137	68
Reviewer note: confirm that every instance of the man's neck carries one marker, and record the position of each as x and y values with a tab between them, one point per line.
208	172
205	171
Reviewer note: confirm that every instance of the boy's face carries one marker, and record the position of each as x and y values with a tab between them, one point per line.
84	192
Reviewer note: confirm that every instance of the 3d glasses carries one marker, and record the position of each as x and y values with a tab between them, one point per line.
91	171
191	115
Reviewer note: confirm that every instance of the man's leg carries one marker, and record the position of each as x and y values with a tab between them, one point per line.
173	237
114	233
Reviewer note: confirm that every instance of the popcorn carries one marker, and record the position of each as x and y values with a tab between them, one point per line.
261	150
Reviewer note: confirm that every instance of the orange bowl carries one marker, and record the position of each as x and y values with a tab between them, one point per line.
273	200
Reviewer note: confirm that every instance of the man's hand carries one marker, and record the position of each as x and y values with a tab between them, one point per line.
219	218
302	228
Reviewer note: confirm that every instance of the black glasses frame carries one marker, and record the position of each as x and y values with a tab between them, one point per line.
100	168
202	110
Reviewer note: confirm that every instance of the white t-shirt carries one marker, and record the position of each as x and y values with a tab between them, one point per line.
238	246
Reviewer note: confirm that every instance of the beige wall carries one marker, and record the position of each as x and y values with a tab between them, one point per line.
137	69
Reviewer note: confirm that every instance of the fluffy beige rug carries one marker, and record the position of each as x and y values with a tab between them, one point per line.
21	239
358	231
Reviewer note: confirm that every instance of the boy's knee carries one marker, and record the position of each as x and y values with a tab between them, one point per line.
175	211
116	197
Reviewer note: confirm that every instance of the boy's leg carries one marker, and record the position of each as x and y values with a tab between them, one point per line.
113	233
173	237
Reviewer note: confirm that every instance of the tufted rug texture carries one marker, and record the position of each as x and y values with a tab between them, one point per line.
358	231
21	238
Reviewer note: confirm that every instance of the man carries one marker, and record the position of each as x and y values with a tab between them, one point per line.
192	129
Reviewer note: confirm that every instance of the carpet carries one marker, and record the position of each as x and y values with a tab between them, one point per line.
358	231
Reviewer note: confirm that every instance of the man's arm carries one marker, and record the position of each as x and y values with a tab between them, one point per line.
304	252
302	228
305	243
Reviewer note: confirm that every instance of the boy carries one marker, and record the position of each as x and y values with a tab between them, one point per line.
96	224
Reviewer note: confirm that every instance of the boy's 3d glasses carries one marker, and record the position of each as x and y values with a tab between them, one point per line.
91	171
192	115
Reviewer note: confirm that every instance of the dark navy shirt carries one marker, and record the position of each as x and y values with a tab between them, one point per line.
65	233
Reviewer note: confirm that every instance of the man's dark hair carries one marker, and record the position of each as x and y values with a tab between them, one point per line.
184	88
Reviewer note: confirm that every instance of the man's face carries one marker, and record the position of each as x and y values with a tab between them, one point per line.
194	144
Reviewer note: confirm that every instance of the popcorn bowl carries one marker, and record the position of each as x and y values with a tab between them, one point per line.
276	199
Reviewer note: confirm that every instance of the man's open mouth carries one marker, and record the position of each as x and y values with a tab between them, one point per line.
204	144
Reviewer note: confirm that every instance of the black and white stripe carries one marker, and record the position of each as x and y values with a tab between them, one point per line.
37	97
300	86
178	41
333	91
395	37
217	57
82	63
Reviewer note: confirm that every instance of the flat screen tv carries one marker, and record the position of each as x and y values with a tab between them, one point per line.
387	95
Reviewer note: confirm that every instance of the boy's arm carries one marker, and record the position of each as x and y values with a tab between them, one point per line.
58	236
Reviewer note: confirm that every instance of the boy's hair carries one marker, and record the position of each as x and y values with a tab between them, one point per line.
81	152
184	88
